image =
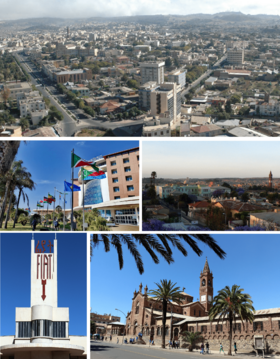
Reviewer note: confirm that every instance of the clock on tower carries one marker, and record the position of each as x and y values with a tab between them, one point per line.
206	287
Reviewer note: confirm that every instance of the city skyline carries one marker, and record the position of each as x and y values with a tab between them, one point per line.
226	159
234	269
84	9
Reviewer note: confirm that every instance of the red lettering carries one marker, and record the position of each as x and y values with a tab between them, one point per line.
37	250
50	245
50	264
46	270
38	263
42	244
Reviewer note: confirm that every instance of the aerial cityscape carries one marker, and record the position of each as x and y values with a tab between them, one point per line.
232	187
209	75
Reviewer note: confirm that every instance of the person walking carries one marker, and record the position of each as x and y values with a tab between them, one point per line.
173	344
235	348
34	224
202	349
177	344
221	348
207	348
170	344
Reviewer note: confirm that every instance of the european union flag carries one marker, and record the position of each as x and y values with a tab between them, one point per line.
69	188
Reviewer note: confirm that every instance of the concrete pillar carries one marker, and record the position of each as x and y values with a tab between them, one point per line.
16	335
67	329
41	328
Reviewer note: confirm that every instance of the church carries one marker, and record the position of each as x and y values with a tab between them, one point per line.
146	317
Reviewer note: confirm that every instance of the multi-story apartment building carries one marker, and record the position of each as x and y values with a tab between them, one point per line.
72	76
152	71
64	50
145	95
18	88
178	76
235	56
166	99
165	191
28	105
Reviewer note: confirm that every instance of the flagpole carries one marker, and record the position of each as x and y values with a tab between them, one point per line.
64	214
83	199
53	207
72	210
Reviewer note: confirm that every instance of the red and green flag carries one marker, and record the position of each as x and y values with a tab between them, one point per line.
77	161
51	198
47	200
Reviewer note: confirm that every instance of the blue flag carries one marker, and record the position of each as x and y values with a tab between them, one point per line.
90	178
68	187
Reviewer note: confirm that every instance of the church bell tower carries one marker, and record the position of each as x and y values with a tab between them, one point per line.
206	287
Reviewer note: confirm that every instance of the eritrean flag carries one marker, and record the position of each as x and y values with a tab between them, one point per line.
95	174
77	161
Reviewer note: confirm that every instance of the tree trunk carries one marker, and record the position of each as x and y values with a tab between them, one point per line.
164	310
9	208
15	220
4	203
230	334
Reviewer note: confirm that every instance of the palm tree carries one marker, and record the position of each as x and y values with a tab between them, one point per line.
10	179
154	244
166	292
192	338
232	303
23	181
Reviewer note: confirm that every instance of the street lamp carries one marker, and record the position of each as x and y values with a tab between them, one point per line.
124	316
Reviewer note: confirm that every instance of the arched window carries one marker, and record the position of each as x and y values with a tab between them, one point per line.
147	331
176	332
137	308
158	331
166	331
135	328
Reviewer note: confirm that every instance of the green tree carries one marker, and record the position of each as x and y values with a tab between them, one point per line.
245	197
166	293
92	327
228	106
232	304
24	123
168	62
23	181
192	338
154	244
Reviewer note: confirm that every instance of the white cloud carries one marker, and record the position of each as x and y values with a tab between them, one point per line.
15	9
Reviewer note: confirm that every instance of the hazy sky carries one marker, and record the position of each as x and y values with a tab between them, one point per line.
15	9
206	159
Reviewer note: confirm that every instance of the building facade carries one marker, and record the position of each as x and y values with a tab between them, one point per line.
145	316
152	71
42	330
235	56
178	76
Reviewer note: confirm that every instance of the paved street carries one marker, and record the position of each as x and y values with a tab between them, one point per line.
106	350
69	126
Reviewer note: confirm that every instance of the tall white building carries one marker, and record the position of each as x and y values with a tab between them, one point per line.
235	56
42	330
152	71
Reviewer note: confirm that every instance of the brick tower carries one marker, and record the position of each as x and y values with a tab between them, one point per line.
270	180
206	287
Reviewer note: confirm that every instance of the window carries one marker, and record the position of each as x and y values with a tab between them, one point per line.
158	331
278	324
114	172
24	330
204	329
137	308
47	328
127	169
36	328
113	163
130	188
59	329
219	328
128	178
137	158
161	132
237	327
117	197
191	329
116	189
155	133
126	160
258	326
199	313
166	331
115	180
194	312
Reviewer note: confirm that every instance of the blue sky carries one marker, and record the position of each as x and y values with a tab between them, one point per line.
16	9
50	163
206	159
15	277
252	262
